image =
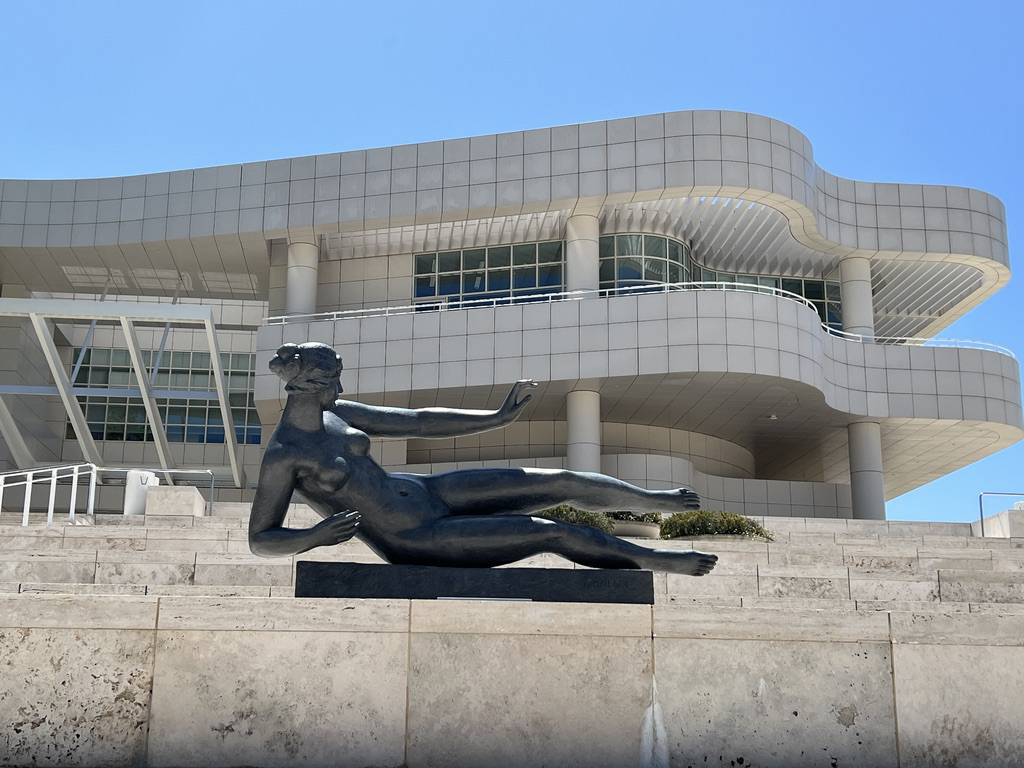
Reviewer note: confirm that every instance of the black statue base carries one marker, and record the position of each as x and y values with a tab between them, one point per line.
423	582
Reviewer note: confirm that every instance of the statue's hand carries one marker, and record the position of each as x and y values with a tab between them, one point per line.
516	401
337	528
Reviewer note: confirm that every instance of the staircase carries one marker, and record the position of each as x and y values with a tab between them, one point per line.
838	565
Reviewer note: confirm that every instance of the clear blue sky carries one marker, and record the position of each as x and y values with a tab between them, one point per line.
923	92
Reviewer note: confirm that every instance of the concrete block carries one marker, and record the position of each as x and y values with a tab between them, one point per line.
175	500
268	697
542	691
982	586
57	680
894	585
801	581
818	693
959	705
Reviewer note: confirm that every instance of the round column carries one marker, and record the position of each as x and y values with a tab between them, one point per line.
583	416
867	483
582	233
858	302
300	279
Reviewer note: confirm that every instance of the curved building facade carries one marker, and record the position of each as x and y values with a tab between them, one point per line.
700	303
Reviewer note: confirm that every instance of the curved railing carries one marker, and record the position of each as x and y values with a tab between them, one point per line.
549	298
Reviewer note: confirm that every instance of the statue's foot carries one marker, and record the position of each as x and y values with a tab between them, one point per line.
690	563
677	500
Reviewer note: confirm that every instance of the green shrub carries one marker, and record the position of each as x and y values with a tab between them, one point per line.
568	514
707	522
635	517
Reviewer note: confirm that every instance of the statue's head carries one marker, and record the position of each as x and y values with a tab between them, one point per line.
309	368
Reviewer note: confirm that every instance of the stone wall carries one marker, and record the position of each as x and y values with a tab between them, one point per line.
128	680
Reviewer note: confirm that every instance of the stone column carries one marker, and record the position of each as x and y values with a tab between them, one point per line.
583	417
582	232
867	483
300	279
858	303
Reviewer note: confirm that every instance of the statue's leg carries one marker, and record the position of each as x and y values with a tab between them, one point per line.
487	541
484	491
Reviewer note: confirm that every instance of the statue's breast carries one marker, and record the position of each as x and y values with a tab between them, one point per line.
327	477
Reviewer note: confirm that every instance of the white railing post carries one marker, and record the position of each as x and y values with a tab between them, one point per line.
2	479
74	492
28	497
90	504
53	496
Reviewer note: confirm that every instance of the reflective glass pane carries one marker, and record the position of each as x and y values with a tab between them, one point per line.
629	269
654	246
99	375
136	414
549	275
135	433
119	377
793	285
215	435
834	313
524	254
708	275
814	289
119	357
607	270
202	360
448	285
630	245
239	361
524	277
450	261
548	252
747	279
832	291
770	282
606	247
474	258
499	280
426	286
195	434
654	270
114	432
675	273
96	413
675	251
100	357
820	306
499	257
183	360
473	282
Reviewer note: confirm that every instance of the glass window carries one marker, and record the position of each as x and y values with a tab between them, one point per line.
549	252
182	360
448	284
675	273
654	270
450	261
499	257
832	290
607	270
606	247
524	277
499	280
426	286
675	251
654	246
549	275
474	259
793	285
473	282
524	254
629	245
768	282
814	289
630	269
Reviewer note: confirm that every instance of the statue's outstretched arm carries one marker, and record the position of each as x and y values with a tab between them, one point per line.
434	422
267	536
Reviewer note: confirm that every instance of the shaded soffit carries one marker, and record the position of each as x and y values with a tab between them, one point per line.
805	441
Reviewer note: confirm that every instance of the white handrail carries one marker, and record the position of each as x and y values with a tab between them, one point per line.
29	478
441	305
